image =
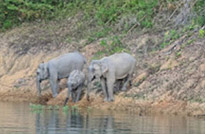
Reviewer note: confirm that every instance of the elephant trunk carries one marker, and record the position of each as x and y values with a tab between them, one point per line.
69	93
38	84
66	100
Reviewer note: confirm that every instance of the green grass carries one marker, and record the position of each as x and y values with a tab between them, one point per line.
65	109
110	46
200	12
202	33
169	37
106	12
89	108
178	54
36	106
74	107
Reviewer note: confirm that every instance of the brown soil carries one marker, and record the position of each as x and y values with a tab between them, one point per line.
164	81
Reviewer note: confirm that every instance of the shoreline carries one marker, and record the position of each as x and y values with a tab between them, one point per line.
141	107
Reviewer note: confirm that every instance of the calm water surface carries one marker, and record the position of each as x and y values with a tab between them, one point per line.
18	118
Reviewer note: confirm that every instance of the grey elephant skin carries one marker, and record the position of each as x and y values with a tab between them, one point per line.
59	68
109	70
75	83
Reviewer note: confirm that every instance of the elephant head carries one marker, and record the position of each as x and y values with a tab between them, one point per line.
97	69
41	74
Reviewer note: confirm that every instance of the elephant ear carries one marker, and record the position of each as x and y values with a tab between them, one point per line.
45	67
104	67
45	70
95	67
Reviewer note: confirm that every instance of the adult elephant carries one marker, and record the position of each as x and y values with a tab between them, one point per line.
109	70
57	69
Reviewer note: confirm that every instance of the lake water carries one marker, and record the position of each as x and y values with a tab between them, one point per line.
18	118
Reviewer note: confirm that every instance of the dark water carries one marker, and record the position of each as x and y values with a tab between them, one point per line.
18	118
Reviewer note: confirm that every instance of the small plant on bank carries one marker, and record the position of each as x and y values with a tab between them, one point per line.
74	107
200	12
169	37
178	54
37	106
89	108
65	108
56	107
202	33
50	107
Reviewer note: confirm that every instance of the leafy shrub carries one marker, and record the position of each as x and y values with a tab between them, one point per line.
169	36
14	12
114	45
200	11
201	33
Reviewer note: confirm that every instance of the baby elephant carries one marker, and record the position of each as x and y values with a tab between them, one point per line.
75	83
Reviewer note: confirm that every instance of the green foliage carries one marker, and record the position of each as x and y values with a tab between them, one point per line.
112	10
15	12
178	54
36	106
50	107
56	107
200	11
107	14
74	107
199	99
89	108
98	34
114	45
65	109
165	42
169	36
201	33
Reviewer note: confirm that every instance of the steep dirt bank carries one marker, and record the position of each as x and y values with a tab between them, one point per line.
168	80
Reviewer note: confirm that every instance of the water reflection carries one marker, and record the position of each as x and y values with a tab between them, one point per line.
54	122
98	122
74	122
19	119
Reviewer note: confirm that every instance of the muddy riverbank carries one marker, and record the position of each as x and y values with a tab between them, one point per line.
169	79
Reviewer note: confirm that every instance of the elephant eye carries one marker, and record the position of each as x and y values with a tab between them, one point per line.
37	73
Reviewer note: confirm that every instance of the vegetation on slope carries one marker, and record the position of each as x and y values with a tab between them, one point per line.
104	12
15	12
111	20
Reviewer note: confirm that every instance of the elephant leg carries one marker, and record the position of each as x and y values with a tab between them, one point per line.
117	86
69	91
78	93
128	79
54	84
73	96
110	86
102	80
68	95
130	76
130	82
